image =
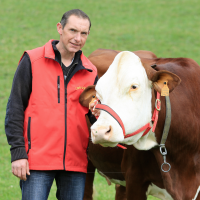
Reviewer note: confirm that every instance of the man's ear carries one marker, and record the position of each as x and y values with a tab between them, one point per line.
59	28
87	95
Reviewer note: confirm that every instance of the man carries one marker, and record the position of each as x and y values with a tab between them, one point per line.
45	123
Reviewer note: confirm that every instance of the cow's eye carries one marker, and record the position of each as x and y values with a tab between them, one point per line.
134	87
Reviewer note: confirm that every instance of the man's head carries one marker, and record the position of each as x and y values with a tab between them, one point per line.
76	12
74	29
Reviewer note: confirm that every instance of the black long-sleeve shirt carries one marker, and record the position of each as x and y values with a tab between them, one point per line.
19	97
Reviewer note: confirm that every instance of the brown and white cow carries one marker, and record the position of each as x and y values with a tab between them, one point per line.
107	161
129	87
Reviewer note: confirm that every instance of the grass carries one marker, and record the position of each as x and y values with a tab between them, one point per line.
168	28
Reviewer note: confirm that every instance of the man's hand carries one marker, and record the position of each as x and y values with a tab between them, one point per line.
20	168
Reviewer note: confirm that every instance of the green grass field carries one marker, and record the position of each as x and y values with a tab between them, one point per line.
168	28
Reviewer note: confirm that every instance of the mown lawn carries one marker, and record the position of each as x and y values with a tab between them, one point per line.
168	28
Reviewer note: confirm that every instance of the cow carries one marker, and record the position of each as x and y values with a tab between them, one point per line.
130	88
107	161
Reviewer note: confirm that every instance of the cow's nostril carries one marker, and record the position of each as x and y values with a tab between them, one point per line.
108	130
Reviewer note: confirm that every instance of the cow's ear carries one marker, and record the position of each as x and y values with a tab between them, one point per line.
87	95
159	79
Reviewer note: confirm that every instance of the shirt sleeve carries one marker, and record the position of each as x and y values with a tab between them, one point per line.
17	103
96	79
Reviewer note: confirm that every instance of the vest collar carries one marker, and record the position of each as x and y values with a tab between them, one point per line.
48	50
49	53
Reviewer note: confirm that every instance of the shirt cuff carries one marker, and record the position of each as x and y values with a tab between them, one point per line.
18	153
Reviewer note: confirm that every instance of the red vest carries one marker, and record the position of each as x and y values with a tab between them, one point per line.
55	130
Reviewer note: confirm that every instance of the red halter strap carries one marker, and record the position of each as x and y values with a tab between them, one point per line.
146	127
112	113
156	111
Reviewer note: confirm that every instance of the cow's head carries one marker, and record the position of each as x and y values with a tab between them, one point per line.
126	87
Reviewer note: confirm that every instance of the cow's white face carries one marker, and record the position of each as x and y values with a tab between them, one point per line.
125	88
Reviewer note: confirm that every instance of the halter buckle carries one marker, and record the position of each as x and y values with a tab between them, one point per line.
158	104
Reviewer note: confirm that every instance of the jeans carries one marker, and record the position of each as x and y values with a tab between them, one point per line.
70	185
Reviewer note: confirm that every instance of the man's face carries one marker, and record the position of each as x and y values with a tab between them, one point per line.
74	34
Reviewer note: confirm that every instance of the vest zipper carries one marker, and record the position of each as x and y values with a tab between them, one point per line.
65	100
58	84
65	86
29	134
65	144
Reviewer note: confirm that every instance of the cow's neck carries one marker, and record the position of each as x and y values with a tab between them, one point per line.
149	141
146	142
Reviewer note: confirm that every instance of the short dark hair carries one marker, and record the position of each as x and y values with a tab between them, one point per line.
77	12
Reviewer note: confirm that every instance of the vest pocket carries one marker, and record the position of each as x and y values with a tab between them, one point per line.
58	87
29	134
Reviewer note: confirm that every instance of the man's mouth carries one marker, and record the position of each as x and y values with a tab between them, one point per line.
77	45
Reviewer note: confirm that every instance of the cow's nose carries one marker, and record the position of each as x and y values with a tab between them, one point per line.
101	134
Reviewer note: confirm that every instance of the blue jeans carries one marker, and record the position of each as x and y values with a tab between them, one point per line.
70	185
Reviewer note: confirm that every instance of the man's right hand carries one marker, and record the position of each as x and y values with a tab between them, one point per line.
20	168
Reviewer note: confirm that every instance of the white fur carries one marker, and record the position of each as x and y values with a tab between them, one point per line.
132	106
158	192
147	142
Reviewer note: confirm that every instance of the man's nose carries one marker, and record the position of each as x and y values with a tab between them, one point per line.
78	37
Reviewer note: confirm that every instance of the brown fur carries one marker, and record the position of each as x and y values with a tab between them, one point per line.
103	58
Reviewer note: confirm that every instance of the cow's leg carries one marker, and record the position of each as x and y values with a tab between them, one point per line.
135	189
120	192
89	181
136	185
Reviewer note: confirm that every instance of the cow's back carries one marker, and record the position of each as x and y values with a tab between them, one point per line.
103	58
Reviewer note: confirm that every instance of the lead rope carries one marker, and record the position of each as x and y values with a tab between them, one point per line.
163	149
